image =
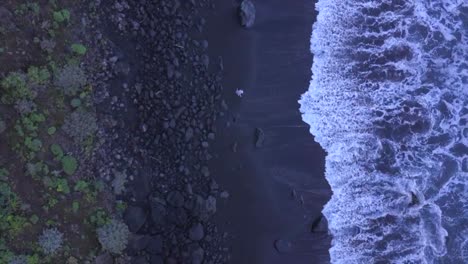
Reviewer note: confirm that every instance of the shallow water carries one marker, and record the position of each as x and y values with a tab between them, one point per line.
388	102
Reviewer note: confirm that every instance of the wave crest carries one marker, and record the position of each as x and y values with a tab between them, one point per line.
388	102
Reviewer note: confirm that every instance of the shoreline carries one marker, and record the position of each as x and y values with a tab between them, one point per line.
271	62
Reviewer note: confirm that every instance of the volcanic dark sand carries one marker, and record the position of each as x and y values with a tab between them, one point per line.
276	191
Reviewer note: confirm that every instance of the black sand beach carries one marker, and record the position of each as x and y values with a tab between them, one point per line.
276	191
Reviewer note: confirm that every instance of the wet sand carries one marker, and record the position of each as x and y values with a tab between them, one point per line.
276	191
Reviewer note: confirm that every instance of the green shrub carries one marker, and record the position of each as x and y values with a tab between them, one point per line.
69	165
75	102
62	16
14	88
61	186
51	130
56	150
79	49
113	236
38	75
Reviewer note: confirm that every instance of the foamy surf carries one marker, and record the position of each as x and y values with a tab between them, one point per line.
388	102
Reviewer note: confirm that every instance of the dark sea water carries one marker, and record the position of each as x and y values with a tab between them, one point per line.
388	101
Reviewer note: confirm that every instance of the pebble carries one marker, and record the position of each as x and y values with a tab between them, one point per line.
196	232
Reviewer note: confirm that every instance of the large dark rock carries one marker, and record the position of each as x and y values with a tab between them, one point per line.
135	217
156	260
140	260
141	185
247	13
138	243
158	213
175	199
196	232
104	259
155	245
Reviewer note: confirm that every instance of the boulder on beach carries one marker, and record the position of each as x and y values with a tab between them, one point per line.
247	13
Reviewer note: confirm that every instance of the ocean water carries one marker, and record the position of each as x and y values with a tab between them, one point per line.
388	101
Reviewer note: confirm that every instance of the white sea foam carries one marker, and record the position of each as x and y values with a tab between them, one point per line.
388	101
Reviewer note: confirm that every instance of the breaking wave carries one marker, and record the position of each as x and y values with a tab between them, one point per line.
388	102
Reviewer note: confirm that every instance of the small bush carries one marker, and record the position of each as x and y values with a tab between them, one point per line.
79	49
38	75
70	79
15	87
113	236
80	125
47	45
25	107
62	16
51	241
69	165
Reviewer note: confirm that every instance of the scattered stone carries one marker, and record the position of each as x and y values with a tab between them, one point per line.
283	246
188	134
196	232
259	138
135	218
224	195
247	13
234	147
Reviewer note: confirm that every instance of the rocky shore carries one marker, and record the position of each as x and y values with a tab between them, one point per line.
118	119
159	102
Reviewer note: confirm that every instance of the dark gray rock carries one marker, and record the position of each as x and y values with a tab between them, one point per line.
139	260
196	232
138	243
247	13
283	246
155	245
135	217
259	138
188	134
198	254
205	60
156	260
104	259
175	199
319	225
158	212
178	216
